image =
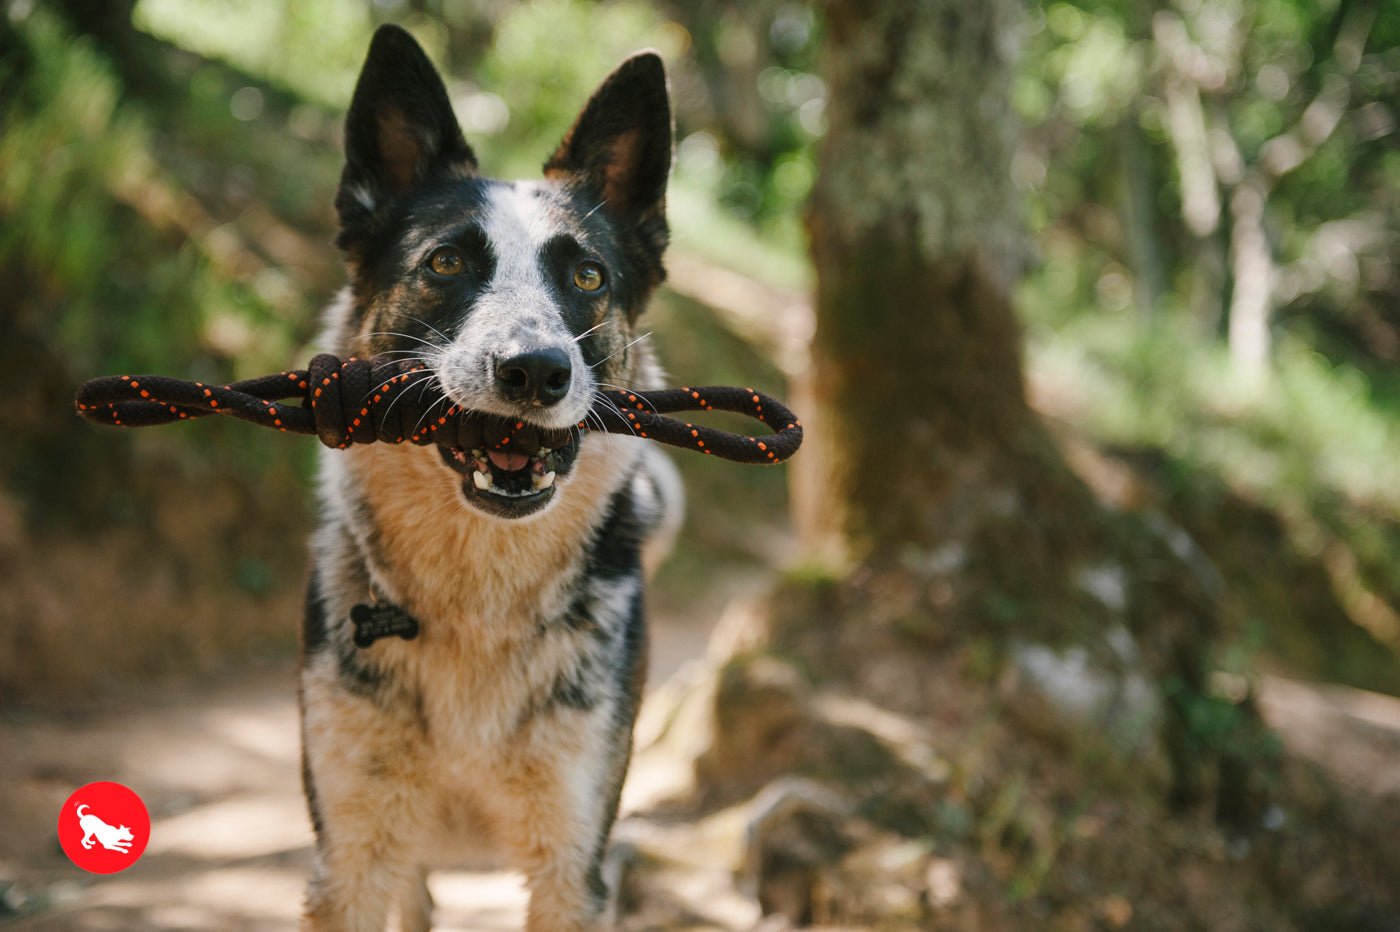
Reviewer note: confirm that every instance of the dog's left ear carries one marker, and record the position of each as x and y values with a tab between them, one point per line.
621	143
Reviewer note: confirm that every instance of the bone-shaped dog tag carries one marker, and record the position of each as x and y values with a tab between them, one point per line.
373	622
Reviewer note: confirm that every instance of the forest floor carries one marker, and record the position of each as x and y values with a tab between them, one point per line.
217	764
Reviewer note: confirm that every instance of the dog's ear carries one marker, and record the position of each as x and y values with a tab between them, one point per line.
400	128
621	143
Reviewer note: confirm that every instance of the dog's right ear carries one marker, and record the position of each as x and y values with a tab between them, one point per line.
399	131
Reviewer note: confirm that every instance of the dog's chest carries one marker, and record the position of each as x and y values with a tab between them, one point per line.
525	645
483	683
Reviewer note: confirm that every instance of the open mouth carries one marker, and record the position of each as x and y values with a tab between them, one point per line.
511	469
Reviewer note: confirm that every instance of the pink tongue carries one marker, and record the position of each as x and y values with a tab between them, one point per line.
509	462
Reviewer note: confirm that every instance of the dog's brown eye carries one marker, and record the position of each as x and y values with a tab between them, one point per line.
589	276
446	260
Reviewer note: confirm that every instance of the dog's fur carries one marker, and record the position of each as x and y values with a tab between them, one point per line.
508	720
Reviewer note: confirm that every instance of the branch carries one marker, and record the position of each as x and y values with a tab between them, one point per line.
1291	148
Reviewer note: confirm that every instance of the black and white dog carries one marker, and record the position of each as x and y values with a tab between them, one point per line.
508	720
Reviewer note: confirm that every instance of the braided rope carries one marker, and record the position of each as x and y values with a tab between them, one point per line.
396	401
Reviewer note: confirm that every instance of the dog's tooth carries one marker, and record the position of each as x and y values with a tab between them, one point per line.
543	482
482	480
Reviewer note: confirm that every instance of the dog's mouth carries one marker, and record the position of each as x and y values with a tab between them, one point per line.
515	469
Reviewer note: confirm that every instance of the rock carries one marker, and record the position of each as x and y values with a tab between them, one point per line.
797	828
759	725
1081	698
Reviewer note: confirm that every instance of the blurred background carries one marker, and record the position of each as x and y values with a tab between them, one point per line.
1207	200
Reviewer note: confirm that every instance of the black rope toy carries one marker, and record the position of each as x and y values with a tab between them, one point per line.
387	400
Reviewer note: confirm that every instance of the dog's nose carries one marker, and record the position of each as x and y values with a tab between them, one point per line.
539	376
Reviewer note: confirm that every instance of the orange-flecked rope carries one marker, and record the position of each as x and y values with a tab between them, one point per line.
396	401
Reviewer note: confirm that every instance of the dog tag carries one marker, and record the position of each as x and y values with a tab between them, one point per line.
373	622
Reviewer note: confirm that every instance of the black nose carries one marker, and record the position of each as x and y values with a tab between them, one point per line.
539	376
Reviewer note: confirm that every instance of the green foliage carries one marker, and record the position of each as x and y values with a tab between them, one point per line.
1137	116
90	215
542	90
1214	724
66	147
312	48
111	264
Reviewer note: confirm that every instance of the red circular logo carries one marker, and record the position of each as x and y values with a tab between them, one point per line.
104	828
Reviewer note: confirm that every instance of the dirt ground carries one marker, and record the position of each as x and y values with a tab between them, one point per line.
216	762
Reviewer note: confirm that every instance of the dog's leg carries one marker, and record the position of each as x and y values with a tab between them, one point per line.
353	888
416	904
559	812
358	774
564	879
337	902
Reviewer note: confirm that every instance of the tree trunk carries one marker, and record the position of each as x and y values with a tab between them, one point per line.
964	526
915	235
1252	266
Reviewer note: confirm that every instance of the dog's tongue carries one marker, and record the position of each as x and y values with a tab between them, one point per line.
509	462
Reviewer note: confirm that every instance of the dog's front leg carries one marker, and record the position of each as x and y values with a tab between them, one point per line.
562	802
359	770
416	904
354	886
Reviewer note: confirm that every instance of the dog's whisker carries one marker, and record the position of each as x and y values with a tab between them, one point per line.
592	418
622	350
446	339
442	399
603	401
387	382
620	388
417	382
597	326
402	353
409	336
390	381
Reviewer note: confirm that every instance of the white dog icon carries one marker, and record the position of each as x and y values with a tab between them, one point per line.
114	838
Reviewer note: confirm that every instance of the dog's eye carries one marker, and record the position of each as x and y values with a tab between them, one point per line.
589	276
446	260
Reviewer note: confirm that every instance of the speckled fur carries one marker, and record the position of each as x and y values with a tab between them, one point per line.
506	724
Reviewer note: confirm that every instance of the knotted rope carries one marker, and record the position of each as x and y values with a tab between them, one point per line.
396	401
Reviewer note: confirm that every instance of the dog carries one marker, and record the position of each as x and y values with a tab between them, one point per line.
116	838
506	722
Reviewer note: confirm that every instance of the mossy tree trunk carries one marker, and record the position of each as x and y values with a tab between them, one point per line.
948	485
975	550
916	237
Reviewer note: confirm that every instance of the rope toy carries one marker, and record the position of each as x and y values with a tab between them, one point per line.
393	401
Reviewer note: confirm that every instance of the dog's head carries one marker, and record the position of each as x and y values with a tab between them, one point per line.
520	297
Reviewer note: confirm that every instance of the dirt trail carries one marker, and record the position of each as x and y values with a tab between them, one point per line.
217	764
